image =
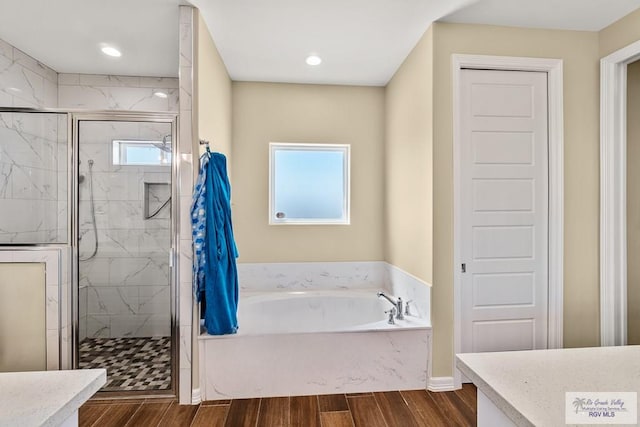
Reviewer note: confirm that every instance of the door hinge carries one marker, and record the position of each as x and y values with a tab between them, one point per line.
463	267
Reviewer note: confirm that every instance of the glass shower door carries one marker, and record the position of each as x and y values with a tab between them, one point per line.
124	240
33	178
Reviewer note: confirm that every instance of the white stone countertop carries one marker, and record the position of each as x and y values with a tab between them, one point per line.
46	398
529	386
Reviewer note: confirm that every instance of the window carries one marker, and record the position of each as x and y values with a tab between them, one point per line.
308	183
141	153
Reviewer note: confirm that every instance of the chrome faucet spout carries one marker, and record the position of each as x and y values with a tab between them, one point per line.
383	295
397	304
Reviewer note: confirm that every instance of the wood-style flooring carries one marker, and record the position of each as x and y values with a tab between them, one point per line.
386	409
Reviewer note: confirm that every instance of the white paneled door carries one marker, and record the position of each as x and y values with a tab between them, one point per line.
504	210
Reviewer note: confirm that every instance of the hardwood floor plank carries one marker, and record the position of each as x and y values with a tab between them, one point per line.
464	409
454	408
89	414
424	409
117	415
243	413
160	400
332	402
384	409
149	414
359	394
211	416
178	415
395	410
111	401
336	419
274	412
304	412
468	394
216	402
365	412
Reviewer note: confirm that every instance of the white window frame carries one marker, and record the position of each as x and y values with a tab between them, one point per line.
119	147
293	146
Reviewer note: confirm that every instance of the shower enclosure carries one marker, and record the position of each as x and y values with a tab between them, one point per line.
123	226
99	190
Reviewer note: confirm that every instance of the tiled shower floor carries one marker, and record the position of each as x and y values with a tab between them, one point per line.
132	364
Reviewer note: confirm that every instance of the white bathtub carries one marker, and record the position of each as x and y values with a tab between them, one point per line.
317	311
314	342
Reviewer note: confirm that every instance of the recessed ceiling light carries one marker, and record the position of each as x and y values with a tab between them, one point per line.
160	94
314	60
111	51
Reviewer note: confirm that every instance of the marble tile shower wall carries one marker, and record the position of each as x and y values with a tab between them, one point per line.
33	186
104	92
25	82
124	289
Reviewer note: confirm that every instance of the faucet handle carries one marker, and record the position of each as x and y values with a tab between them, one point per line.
392	314
406	308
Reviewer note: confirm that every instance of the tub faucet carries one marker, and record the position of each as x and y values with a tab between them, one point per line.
396	304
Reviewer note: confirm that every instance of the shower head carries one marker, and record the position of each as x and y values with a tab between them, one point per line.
166	144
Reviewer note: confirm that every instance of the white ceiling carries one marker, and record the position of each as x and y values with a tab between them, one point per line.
584	15
360	41
66	34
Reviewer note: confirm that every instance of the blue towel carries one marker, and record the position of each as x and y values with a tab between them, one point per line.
215	252
198	228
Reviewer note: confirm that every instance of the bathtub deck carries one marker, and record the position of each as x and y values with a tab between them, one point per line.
388	409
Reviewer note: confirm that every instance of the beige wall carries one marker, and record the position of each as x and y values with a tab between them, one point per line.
579	50
272	112
409	163
633	203
620	34
213	93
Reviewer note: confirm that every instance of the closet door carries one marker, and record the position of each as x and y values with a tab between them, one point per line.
504	210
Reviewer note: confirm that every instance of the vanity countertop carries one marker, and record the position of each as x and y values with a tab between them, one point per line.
529	386
46	398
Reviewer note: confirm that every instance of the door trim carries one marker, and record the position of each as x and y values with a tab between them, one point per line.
553	68
613	194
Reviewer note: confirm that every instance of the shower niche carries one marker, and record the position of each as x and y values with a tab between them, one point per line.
124	235
156	197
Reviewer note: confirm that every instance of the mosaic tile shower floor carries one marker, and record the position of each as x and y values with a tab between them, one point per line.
133	364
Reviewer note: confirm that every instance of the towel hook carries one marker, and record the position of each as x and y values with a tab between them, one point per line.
206	144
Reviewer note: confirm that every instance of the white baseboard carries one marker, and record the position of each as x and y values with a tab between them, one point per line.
437	384
196	397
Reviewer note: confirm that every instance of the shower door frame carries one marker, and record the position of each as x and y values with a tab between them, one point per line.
142	117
